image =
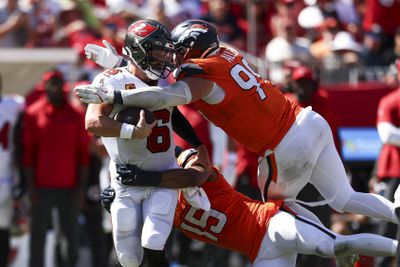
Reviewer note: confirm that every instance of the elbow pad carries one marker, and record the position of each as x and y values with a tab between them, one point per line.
155	97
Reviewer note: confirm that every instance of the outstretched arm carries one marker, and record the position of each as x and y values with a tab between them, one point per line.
152	98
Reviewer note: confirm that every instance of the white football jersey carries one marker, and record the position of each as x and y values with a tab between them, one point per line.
10	107
157	152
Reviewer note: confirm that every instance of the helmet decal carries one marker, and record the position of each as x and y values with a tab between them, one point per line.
141	29
195	32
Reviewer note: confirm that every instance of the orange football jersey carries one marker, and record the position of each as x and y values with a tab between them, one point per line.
234	222
254	111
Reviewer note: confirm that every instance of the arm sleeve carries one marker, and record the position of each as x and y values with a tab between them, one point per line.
184	129
387	117
155	97
389	134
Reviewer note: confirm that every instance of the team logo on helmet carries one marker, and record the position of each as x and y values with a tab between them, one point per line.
194	32
141	29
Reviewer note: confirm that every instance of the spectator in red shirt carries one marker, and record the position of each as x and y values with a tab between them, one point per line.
388	165
384	14
55	160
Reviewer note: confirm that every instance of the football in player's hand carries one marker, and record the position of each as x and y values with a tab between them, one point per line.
131	115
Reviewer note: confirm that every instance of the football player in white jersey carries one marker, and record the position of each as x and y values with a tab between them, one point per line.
10	108
141	216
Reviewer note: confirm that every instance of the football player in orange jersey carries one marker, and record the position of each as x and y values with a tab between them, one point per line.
268	233
295	144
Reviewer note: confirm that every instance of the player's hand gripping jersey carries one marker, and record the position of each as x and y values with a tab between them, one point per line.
229	211
253	111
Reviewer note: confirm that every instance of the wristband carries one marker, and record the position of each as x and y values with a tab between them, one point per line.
118	97
126	131
147	178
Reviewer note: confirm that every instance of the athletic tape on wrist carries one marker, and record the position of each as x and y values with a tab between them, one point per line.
126	131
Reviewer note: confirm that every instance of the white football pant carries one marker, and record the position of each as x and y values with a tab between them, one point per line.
288	235
141	217
307	154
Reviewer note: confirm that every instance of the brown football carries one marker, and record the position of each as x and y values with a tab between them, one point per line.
131	115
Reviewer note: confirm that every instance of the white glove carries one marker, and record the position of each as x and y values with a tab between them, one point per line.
94	94
107	57
197	197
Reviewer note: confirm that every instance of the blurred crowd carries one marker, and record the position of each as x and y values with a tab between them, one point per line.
303	44
331	36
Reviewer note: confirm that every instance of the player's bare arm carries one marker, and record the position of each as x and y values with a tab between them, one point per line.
197	171
181	178
98	122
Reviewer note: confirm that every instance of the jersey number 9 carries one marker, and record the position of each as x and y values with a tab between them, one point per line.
247	79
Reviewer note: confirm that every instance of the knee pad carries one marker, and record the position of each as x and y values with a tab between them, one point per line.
124	219
158	219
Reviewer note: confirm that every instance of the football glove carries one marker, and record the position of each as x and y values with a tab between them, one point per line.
94	94
107	57
130	175
107	197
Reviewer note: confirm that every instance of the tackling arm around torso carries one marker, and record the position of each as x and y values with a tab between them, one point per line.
196	172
